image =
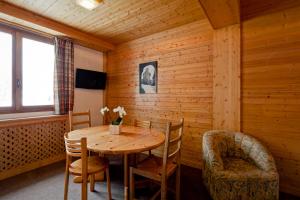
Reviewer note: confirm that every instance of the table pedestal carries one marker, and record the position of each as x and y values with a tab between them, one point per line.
126	176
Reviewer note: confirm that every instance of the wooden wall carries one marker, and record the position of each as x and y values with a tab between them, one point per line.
271	89
270	85
184	56
226	78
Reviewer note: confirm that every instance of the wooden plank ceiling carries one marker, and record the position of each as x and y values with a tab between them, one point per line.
116	21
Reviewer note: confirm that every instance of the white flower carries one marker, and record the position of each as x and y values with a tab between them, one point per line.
121	111
103	110
117	109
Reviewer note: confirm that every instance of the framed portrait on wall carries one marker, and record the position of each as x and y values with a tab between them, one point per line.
148	77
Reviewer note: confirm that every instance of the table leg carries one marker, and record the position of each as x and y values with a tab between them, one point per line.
125	176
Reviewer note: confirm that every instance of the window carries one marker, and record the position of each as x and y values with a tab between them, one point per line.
38	67
26	71
6	69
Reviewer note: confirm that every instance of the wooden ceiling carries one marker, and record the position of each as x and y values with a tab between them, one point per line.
116	21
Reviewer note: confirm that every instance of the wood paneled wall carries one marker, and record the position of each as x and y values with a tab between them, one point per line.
271	89
270	86
184	56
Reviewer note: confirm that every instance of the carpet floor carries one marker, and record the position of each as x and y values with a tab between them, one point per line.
47	183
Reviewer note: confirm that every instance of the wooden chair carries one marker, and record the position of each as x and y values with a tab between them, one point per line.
86	166
160	169
142	124
76	119
80	119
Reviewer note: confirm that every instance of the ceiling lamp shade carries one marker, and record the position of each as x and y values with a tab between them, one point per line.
89	4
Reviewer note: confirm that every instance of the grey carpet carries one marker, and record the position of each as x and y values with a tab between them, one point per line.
47	183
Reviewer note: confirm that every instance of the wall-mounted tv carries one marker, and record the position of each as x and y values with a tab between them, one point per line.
88	79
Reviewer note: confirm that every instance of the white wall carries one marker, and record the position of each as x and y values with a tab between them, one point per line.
84	99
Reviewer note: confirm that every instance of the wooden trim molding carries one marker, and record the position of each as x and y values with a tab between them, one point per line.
21	27
31	120
86	39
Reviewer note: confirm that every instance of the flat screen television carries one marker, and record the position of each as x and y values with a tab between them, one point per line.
88	79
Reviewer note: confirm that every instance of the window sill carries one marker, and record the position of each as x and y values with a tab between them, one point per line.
21	119
9	116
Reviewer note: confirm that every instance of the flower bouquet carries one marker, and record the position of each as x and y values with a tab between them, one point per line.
115	125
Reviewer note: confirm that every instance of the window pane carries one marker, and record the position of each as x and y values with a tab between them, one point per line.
5	69
38	69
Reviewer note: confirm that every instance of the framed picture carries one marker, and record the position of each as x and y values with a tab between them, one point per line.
148	77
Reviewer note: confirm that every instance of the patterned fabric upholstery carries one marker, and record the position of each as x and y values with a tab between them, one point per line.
238	167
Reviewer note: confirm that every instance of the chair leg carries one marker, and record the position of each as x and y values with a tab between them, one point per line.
84	188
66	183
131	186
92	182
178	183
135	159
163	194
155	195
108	183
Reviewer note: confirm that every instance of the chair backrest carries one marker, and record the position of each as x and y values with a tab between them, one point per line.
76	148
238	145
142	124
79	118
172	148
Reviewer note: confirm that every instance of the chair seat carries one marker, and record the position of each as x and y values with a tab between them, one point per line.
238	165
152	167
244	169
95	164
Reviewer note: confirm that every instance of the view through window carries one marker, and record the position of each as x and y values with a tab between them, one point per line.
5	69
38	69
26	71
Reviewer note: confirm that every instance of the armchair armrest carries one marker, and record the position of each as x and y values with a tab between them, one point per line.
211	153
262	157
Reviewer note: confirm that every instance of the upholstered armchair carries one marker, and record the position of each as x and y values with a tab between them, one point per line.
238	167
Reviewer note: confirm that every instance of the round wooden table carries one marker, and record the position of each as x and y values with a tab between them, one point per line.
131	140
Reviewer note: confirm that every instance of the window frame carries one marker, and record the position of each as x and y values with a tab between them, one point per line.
17	68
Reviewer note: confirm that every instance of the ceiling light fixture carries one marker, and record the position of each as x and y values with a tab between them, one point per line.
89	4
